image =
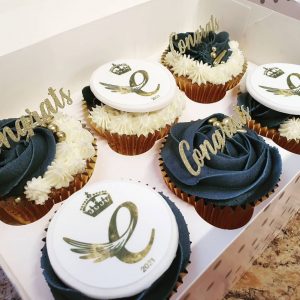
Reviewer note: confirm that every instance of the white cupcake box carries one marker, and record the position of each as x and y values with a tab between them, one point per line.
82	39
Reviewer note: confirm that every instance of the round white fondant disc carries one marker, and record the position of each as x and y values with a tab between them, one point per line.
126	92
280	93
114	276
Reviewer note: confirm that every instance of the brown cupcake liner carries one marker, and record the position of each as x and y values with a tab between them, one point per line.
225	217
25	212
274	134
204	93
128	144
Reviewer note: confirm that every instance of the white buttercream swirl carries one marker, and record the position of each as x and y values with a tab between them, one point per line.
70	159
38	189
199	73
182	66
116	121
290	129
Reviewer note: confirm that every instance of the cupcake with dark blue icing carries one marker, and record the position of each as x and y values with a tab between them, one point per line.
38	171
223	185
282	128
146	261
205	63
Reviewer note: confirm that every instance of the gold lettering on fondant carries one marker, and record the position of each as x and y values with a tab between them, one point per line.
227	128
194	38
25	125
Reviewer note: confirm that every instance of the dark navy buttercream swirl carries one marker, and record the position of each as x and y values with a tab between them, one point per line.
202	51
25	159
160	289
90	98
246	170
260	113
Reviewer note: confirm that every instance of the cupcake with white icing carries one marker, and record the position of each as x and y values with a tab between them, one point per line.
205	63
272	99
37	172
132	104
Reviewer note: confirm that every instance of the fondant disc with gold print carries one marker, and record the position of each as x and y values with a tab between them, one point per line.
112	239
133	85
276	86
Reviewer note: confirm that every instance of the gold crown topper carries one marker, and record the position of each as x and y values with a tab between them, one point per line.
273	72
96	203
120	69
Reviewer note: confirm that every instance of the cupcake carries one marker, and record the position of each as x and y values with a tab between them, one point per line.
37	172
273	103
132	104
205	63
223	179
112	248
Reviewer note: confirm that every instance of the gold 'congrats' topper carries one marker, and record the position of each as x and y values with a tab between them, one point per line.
25	125
227	128
194	38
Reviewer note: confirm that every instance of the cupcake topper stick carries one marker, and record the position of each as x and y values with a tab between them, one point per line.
227	128
194	38
25	125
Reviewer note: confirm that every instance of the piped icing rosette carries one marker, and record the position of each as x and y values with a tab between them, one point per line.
290	129
44	169
243	173
206	69
282	128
